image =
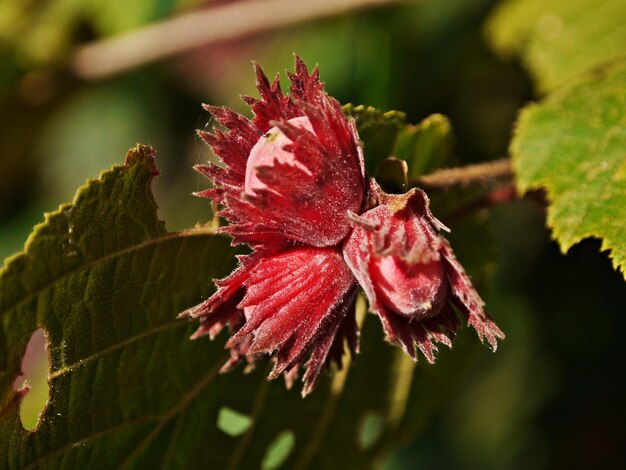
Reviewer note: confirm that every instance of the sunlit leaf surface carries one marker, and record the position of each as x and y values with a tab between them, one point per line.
106	281
559	40
573	145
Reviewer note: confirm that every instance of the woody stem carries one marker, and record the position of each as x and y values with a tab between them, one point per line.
463	176
224	21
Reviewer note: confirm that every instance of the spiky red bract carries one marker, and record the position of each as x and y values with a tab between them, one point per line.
297	304
302	203
411	276
287	181
292	185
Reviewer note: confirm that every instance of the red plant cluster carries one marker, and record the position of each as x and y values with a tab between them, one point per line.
293	187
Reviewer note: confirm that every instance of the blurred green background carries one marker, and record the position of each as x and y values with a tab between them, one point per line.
552	397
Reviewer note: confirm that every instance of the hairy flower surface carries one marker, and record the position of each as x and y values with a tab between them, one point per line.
411	276
289	175
288	180
297	302
292	186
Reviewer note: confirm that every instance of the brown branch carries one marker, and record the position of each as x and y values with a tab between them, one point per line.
479	173
228	21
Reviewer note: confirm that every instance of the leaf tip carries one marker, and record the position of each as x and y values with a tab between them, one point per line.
142	154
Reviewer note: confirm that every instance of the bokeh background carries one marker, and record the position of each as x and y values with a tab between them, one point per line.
553	395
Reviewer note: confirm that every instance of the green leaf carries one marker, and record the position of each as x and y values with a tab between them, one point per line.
558	40
128	388
278	451
573	145
425	146
105	280
232	422
378	131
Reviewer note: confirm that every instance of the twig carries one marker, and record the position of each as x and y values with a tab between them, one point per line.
479	173
179	34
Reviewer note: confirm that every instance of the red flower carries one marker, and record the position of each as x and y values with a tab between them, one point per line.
291	174
291	185
290	177
411	276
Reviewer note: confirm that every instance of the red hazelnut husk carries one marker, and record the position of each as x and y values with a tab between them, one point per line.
411	277
286	182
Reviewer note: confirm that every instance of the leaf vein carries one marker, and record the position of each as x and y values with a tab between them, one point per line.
157	329
95	262
160	419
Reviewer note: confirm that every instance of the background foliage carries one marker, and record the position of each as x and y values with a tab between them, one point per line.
142	394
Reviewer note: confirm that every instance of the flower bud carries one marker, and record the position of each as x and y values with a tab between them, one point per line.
289	185
411	276
412	289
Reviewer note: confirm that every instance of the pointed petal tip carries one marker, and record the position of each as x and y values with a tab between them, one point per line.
222	114
231	363
299	64
497	332
231	341
207	137
274	374
490	341
429	354
291	376
206	169
200	332
262	81
493	339
249	100
309	386
194	312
